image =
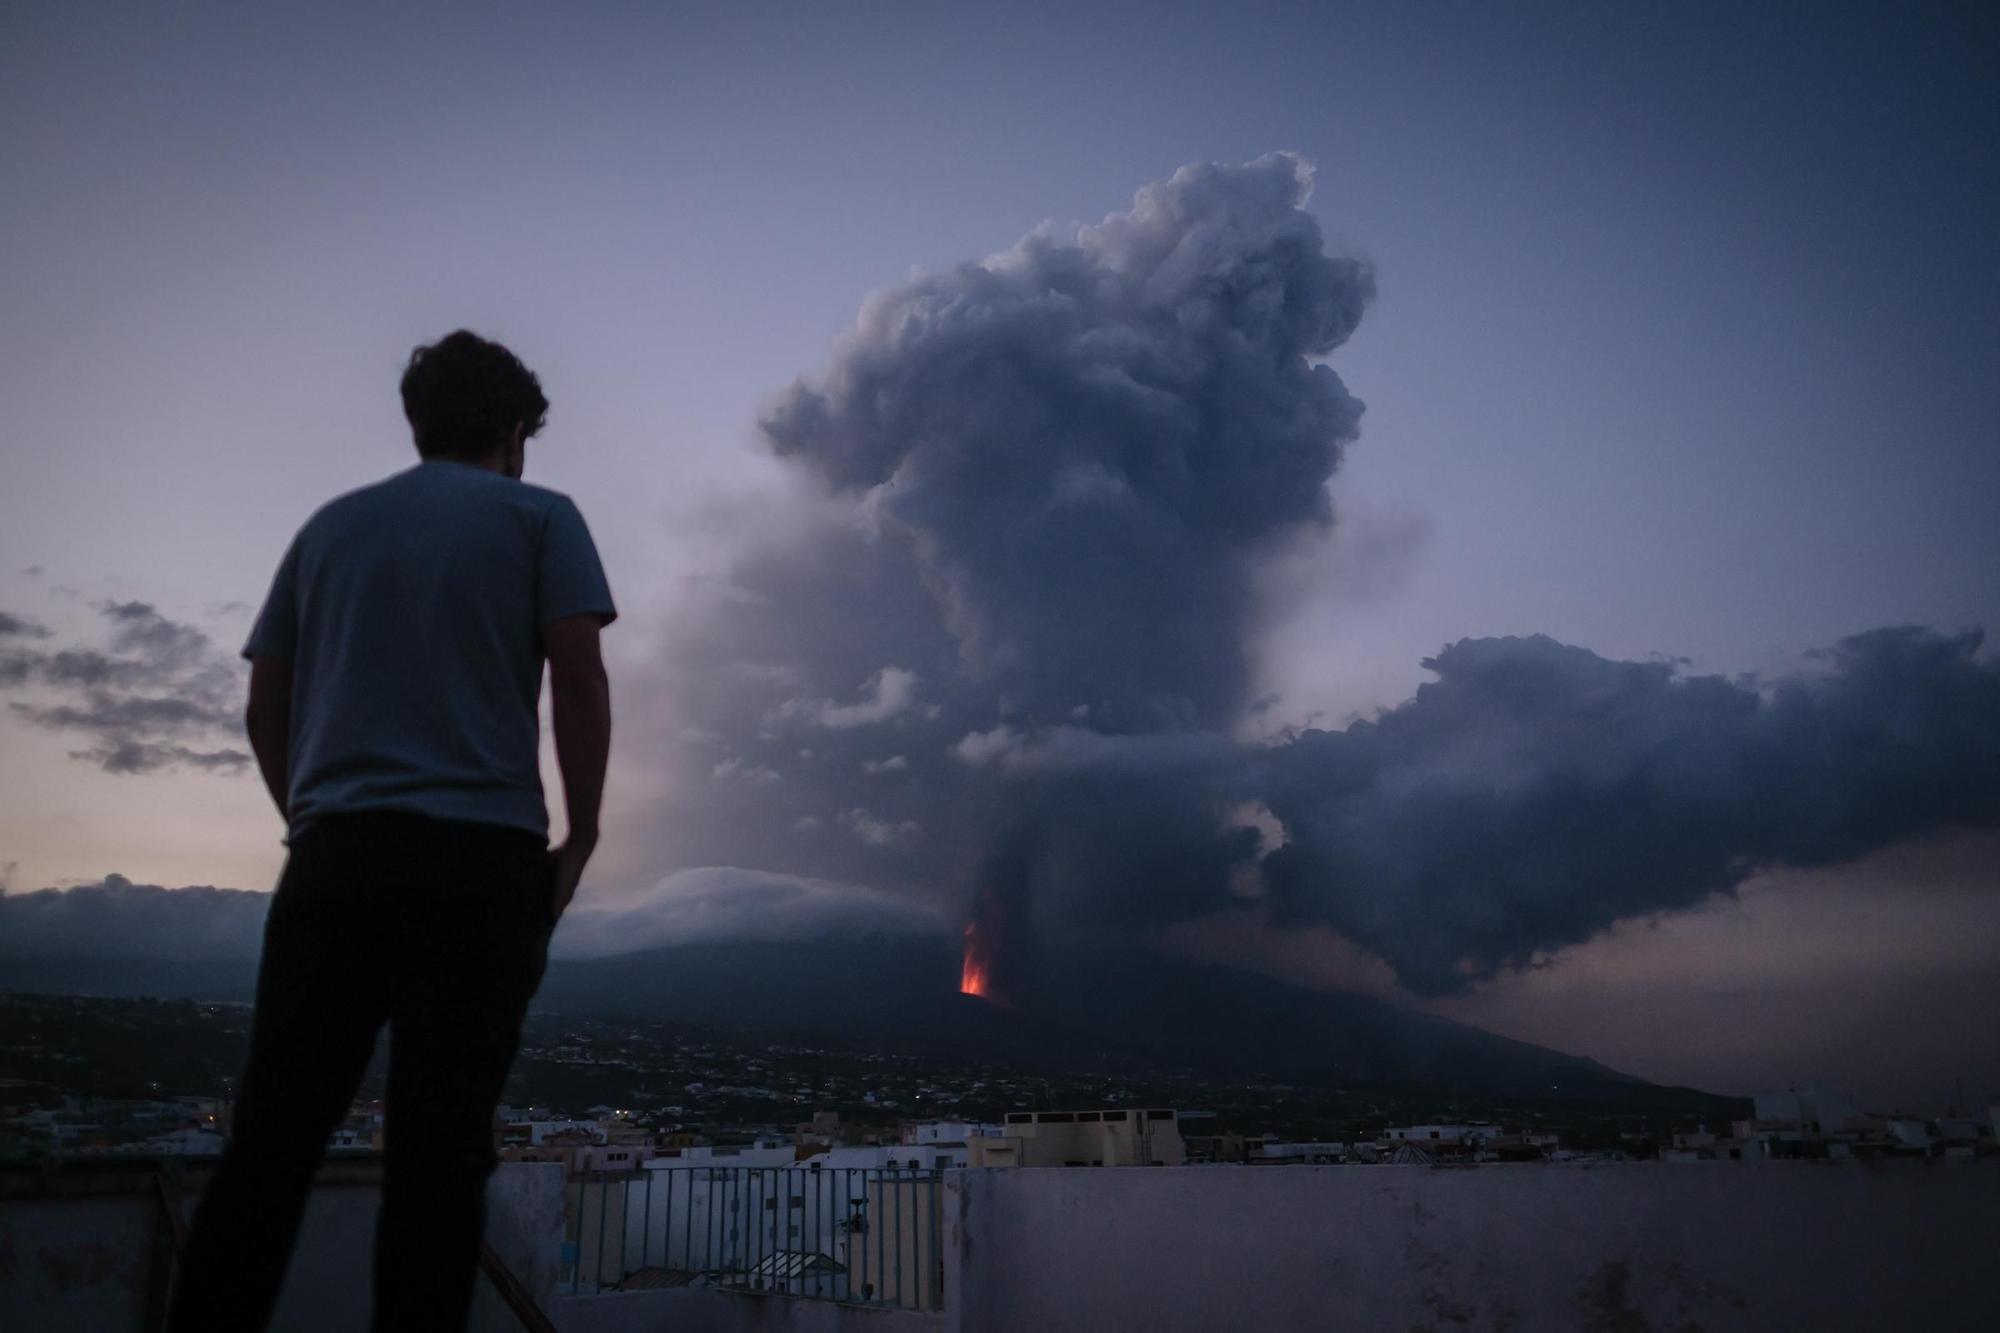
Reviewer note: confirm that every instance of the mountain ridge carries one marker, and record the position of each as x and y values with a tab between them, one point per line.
1101	1008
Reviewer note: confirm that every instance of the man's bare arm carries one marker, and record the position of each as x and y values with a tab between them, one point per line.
580	696
268	719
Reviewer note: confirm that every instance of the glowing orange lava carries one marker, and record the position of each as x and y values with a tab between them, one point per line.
984	936
972	976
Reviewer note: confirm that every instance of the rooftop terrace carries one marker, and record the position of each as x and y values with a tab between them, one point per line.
1638	1248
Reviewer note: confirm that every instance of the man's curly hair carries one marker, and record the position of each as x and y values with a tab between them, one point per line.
464	395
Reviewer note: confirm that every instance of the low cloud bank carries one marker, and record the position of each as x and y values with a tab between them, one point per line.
116	918
713	904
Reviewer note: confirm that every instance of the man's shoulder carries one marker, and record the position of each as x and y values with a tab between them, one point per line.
478	486
346	507
541	498
432	488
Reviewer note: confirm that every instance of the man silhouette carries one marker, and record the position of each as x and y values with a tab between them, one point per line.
395	672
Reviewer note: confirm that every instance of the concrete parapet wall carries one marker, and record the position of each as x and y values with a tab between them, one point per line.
1643	1248
86	1248
1640	1248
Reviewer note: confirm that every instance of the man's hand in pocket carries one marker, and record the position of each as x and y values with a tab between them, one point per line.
570	860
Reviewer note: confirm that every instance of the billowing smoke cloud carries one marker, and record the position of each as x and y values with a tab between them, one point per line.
1090	441
1003	649
160	694
1047	484
1537	793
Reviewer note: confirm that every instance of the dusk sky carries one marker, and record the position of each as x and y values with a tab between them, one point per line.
1680	349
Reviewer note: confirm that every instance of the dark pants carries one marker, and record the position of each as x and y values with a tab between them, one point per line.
441	930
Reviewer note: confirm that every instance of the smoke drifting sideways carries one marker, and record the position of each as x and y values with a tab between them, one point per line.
1536	793
1000	655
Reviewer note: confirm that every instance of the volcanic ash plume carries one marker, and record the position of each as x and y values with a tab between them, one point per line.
1090	440
985	947
1536	792
1005	645
1087	445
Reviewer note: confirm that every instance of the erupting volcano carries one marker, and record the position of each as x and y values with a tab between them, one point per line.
983	935
972	976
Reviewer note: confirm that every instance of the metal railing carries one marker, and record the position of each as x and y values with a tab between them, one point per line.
870	1236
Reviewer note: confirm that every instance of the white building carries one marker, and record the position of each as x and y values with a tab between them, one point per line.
1815	1109
1146	1137
535	1133
891	1156
1426	1135
1910	1133
949	1131
764	1152
1300	1152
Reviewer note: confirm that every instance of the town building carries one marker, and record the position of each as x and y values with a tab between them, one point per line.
1299	1153
949	1131
1143	1137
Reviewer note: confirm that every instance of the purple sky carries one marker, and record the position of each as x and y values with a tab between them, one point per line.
1683	346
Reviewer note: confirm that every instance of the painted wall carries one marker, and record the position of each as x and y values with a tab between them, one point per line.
1643	1248
91	1256
1640	1248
